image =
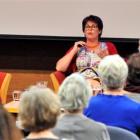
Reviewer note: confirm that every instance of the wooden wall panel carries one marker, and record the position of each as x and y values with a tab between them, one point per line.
23	79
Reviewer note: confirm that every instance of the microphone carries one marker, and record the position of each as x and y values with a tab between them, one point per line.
79	45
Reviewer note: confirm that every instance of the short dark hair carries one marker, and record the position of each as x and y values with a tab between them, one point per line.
134	69
95	19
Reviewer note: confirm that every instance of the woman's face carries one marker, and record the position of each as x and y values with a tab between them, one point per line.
91	31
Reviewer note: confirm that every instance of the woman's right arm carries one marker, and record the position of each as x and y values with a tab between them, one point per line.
63	63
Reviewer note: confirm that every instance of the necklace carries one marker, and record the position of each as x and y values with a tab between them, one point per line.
93	46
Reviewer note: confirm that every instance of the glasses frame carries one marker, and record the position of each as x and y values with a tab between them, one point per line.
93	27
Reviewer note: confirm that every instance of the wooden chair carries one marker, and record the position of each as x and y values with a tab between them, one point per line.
57	78
5	79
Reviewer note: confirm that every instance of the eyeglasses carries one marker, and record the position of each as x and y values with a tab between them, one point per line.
93	27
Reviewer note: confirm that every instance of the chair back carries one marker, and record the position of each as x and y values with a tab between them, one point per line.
57	77
5	79
117	133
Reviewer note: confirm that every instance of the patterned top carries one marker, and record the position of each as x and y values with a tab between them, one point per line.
87	58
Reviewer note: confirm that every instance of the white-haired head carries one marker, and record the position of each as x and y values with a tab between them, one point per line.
74	93
113	71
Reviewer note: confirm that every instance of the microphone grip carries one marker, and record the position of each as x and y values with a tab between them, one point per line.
79	45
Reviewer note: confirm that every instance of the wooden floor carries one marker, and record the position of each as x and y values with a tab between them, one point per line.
22	79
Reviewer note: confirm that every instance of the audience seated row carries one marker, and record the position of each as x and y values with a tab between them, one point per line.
40	112
40	107
44	112
44	118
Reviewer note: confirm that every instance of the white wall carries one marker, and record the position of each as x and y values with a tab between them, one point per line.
63	17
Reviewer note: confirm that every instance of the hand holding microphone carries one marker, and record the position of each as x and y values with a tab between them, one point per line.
78	45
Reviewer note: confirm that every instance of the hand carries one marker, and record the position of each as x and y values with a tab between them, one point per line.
79	44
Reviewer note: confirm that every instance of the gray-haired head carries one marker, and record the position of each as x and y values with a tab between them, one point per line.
113	71
74	93
39	108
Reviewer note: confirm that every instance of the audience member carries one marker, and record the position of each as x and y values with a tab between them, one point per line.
38	112
8	129
133	80
113	107
74	94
